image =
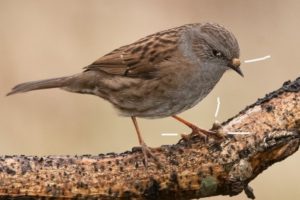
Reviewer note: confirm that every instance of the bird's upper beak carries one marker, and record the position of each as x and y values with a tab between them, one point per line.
235	65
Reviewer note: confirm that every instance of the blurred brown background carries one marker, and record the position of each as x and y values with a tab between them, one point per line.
45	39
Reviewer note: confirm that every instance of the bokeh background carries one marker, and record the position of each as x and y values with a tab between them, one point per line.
45	39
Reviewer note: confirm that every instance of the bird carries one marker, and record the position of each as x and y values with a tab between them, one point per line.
158	76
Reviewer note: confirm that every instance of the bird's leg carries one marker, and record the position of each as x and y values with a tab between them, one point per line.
145	149
195	129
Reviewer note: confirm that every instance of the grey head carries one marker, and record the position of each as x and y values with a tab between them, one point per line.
215	46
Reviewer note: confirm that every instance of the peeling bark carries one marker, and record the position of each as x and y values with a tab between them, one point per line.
189	169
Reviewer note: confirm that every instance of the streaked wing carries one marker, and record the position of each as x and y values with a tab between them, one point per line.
141	58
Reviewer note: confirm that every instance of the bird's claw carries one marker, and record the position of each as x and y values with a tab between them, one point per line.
216	133
148	152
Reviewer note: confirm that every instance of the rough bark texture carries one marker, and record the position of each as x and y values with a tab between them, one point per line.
189	169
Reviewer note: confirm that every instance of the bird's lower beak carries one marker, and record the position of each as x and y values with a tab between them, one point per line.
235	65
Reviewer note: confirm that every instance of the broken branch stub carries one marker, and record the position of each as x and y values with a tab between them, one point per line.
190	169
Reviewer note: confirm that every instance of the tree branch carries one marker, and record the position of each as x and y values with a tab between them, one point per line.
189	169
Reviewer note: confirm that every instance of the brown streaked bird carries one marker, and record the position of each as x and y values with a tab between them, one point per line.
158	76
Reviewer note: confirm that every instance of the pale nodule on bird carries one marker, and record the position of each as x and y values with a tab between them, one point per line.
160	75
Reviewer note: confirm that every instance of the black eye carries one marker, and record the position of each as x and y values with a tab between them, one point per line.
217	53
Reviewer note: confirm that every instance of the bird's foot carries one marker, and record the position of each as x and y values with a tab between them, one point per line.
147	151
205	134
218	129
215	132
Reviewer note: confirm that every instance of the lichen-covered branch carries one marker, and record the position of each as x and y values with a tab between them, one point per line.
192	168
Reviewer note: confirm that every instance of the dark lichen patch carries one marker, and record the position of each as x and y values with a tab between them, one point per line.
228	166
48	162
232	147
48	188
81	184
109	191
152	191
127	195
180	150
211	170
9	171
137	185
101	155
292	86
244	153
297	124
174	162
8	156
216	147
25	166
95	167
102	168
112	154
268	108
136	149
173	180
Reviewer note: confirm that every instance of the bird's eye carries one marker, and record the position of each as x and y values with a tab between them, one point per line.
217	53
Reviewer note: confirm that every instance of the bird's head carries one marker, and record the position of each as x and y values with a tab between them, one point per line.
217	46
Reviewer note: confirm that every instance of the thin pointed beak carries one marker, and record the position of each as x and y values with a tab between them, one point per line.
235	65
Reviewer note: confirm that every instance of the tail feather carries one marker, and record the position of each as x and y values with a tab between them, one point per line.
41	84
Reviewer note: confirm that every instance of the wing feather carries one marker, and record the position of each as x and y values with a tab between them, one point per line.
141	58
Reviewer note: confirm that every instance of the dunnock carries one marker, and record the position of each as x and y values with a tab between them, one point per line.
158	76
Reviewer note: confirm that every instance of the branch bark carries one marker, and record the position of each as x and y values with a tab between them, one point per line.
189	169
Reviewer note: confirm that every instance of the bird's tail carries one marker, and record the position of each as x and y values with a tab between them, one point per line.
41	84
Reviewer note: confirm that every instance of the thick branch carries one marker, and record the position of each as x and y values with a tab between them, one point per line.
191	168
